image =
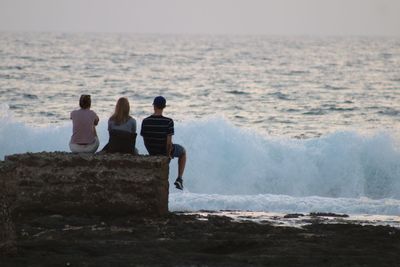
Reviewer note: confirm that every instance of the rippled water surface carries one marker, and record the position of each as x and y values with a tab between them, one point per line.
284	86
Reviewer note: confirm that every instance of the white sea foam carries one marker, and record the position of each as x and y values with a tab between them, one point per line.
233	168
224	159
282	203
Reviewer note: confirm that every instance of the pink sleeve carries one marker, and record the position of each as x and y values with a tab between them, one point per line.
95	117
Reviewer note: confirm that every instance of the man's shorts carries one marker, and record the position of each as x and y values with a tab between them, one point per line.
177	151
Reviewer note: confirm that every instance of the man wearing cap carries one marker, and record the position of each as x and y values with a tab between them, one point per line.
157	132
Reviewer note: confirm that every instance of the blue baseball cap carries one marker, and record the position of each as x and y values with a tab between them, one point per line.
159	102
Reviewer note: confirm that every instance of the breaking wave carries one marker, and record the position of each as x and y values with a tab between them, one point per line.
230	167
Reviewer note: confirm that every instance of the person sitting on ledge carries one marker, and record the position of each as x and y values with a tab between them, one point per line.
122	130
157	132
84	137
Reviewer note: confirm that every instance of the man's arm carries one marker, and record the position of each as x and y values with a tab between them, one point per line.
169	146
171	132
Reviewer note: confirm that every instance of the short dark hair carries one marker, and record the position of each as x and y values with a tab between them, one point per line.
159	102
85	102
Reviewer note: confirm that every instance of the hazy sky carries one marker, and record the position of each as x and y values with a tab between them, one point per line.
326	17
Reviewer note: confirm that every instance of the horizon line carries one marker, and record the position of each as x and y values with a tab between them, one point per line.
311	35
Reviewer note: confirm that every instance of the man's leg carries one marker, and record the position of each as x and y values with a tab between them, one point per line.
181	164
180	153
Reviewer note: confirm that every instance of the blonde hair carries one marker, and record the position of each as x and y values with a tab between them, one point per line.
121	114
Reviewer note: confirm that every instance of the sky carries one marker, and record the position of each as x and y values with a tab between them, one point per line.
270	17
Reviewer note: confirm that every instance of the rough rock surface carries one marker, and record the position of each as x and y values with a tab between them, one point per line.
66	201
188	240
7	198
86	184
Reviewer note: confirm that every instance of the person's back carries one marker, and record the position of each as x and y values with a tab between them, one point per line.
82	126
122	130
122	137
84	138
155	130
128	126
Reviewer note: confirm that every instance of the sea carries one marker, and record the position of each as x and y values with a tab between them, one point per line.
271	124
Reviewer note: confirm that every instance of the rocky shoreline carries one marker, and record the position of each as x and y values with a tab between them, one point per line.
192	240
63	209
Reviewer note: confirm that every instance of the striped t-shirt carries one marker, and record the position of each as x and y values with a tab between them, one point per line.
155	130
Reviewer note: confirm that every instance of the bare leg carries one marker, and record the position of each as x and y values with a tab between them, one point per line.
181	164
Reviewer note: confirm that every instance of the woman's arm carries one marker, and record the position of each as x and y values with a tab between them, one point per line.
134	127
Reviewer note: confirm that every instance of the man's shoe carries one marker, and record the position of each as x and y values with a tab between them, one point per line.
179	183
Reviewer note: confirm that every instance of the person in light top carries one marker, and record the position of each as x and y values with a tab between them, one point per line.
84	121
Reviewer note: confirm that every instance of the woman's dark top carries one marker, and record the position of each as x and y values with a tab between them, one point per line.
122	137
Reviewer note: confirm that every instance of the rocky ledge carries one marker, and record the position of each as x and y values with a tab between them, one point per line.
7	231
87	184
79	184
85	210
190	240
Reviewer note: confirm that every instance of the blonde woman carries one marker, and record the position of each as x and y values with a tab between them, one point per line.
122	129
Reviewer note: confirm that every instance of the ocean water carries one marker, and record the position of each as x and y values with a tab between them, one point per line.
271	124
